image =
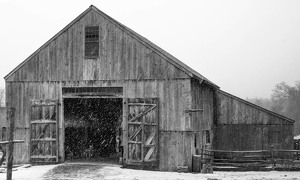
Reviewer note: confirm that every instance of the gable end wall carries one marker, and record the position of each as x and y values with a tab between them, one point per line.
122	57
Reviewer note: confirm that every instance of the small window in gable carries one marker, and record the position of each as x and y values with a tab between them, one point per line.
91	42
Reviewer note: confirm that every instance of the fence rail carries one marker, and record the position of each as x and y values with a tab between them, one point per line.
274	159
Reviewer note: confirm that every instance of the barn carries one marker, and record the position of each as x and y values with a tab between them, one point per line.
97	88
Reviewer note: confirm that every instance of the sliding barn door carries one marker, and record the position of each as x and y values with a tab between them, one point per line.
141	132
44	131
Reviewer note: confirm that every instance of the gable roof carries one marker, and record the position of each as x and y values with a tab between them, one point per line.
171	59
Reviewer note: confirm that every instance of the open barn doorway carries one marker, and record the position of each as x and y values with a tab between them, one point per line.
93	129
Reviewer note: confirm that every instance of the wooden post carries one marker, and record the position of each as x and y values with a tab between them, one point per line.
125	132
201	159
272	156
11	119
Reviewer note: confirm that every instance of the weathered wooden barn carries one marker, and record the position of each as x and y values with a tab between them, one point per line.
95	68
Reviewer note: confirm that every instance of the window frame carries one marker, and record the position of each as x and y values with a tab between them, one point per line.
91	41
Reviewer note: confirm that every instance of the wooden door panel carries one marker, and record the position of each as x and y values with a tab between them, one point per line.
44	131
141	116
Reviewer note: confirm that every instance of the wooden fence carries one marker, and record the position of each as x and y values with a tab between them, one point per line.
259	160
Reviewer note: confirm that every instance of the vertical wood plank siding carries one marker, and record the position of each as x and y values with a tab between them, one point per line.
241	137
234	111
3	120
241	126
174	99
123	62
121	57
202	98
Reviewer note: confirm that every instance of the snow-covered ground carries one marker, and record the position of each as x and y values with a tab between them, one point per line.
128	174
113	172
29	173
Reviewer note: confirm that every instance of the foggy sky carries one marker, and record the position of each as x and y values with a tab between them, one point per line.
245	47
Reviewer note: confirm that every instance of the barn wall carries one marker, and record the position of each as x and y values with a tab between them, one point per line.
237	111
3	116
243	126
122	57
125	62
175	126
3	123
20	95
242	137
202	98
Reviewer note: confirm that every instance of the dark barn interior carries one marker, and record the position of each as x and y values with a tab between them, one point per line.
92	127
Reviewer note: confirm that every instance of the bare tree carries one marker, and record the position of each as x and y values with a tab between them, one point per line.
286	101
2	97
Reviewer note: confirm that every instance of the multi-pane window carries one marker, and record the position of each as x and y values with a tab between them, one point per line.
91	41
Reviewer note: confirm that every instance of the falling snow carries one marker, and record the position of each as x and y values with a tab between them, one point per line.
91	127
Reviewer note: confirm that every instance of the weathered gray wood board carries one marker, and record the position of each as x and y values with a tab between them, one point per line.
122	56
202	98
125	61
244	126
3	124
234	110
140	132
173	119
241	137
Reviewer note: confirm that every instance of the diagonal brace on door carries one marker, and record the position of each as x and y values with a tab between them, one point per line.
34	146
149	140
141	114
149	153
136	132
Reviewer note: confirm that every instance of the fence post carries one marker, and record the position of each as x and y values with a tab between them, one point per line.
11	120
272	156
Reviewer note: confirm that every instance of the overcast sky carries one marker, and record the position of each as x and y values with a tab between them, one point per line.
243	46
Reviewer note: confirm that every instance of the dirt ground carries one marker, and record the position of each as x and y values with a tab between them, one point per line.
106	171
